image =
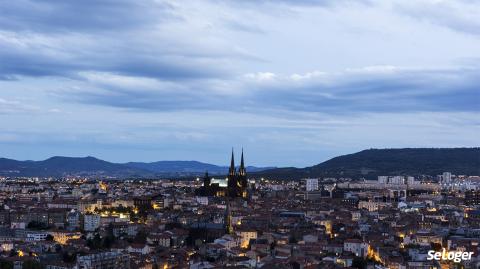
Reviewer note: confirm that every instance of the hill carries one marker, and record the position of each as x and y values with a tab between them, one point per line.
186	167
374	162
89	166
367	163
62	166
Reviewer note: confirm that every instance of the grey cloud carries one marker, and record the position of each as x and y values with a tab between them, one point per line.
322	3
62	57
460	16
86	15
63	38
398	92
244	27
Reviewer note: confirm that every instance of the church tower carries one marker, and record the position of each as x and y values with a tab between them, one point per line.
231	170
237	180
232	179
241	170
242	179
207	180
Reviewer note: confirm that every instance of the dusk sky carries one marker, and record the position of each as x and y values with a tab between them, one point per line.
293	82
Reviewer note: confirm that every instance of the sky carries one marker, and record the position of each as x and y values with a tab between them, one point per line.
293	82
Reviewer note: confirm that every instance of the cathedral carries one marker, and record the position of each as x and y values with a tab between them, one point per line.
236	182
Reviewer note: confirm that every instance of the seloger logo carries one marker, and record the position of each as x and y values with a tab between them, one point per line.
456	256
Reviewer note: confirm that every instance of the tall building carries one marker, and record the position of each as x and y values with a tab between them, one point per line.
311	184
446	177
472	197
91	222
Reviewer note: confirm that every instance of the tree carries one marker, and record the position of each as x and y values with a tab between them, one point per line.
140	237
107	241
69	257
36	225
436	246
95	243
4	264
292	239
359	263
13	252
31	264
295	265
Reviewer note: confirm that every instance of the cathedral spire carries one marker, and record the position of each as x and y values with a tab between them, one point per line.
231	171
242	166
207	179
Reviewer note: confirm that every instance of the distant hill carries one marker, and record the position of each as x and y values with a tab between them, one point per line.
368	163
63	166
374	162
90	166
179	167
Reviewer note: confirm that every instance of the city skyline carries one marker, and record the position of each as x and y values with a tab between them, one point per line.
293	82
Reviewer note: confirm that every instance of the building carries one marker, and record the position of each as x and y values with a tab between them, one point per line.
237	180
62	236
446	177
73	219
36	236
91	222
311	184
382	179
472	197
104	260
356	246
245	236
397	180
237	183
143	203
412	181
372	205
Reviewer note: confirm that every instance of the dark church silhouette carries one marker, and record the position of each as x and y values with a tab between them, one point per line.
237	183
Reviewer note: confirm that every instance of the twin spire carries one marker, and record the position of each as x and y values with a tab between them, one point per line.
241	170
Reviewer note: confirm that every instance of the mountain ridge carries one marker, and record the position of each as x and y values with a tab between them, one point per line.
186	166
58	166
371	163
363	164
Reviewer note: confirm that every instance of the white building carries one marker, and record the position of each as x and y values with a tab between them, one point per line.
356	215
73	219
203	200
356	246
36	236
228	241
382	179
91	222
245	236
372	206
104	260
412	181
139	248
396	180
311	184
446	177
